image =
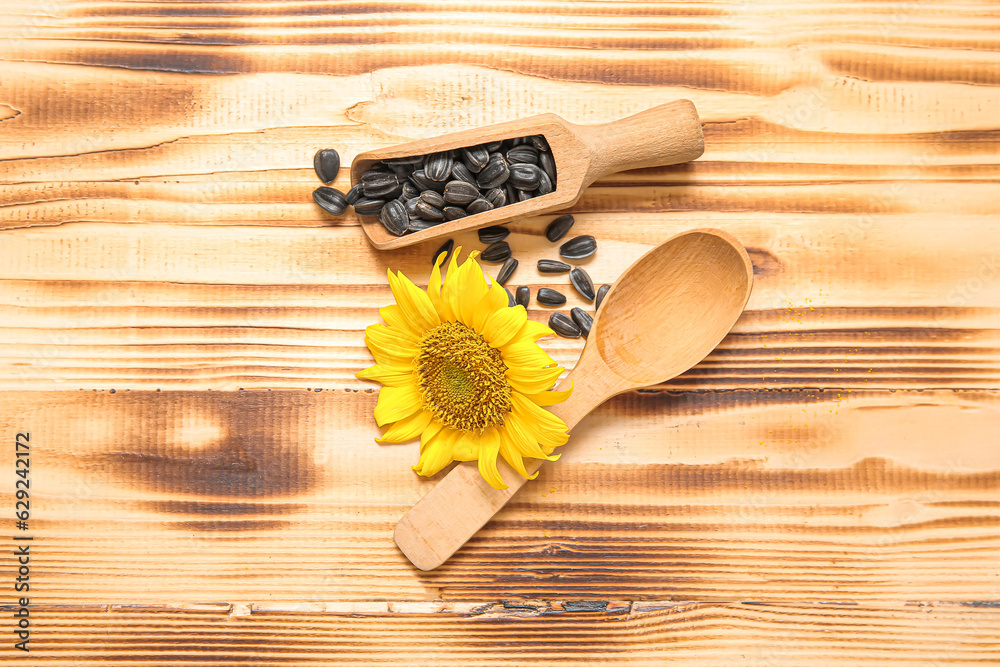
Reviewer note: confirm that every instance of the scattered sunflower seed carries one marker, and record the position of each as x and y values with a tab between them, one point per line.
579	247
496	253
600	295
507	270
445	248
582	282
394	218
552	266
523	296
582	319
559	227
493	234
326	162
564	326
330	200
550	297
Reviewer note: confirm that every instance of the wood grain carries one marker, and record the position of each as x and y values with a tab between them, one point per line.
821	490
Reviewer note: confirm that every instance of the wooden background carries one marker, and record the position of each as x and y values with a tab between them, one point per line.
181	325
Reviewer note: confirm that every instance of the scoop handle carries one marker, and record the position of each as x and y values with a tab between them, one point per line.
666	134
463	502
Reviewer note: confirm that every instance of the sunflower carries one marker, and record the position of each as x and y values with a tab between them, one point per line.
462	370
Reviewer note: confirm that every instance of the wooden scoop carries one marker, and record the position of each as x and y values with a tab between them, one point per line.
662	316
666	134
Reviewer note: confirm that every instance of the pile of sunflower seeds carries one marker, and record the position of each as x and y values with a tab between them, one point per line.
414	193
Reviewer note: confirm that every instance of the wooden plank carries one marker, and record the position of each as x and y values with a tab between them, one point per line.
185	497
606	632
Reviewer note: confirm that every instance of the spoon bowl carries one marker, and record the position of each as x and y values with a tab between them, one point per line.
665	314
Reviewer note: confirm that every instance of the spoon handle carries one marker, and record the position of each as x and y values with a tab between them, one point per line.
433	530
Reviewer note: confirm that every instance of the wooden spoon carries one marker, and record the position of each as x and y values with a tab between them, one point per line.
666	134
662	316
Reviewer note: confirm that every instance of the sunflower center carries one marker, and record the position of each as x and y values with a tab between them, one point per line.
462	378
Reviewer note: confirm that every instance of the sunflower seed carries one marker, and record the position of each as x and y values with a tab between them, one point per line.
510	192
438	166
524	176
493	146
394	218
497	197
526	154
493	234
579	247
507	270
548	165
433	198
326	162
330	200
552	266
523	296
402	170
460	192
564	326
559	227
461	173
424	183
545	184
582	282
453	212
411	207
365	206
538	141
582	319
428	211
409	159
478	206
410	190
524	195
510	298
354	194
445	248
496	253
494	173
379	184
475	158
419	224
519	141
550	297
600	296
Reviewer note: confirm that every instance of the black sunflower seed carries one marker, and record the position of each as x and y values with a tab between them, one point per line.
527	154
478	206
493	146
460	192
326	162
365	206
402	170
424	183
330	200
409	159
454	212
428	211
411	207
438	166
510	298
550	297
433	198
559	227
497	197
548	165
552	266
354	194
445	248
545	184
461	173
583	320
538	141
564	326
494	173
524	195
524	176
579	247
510	192
475	158
394	218
523	296
507	270
419	224
600	296
496	253
493	234
582	282
379	184
410	190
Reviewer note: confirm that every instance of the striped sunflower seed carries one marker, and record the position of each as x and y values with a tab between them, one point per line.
559	227
424	183
454	212
524	176
475	158
394	218
379	184
493	234
409	159
326	162
411	207
433	198
419	224
550	297
582	282
330	200
493	146
409	190
552	266
497	197
365	206
460	192
548	165
583	320
545	184
538	141
494	173
600	295
460	172
428	211
564	326
524	195
479	205
579	247
445	248
438	166
523	296
526	154
496	253
354	194
507	270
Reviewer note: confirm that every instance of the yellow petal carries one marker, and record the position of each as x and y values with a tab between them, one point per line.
430	432
489	448
434	290
451	277
407	429
414	301
493	301
466	447
523	440
532	380
387	375
435	456
551	397
382	334
396	319
510	454
504	324
395	403
536	417
391	356
526	355
532	331
470	288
